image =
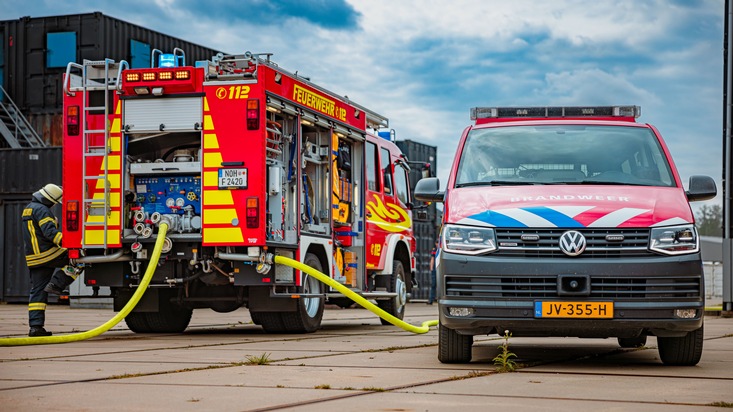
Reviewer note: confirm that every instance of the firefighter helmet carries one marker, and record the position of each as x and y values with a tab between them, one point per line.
52	192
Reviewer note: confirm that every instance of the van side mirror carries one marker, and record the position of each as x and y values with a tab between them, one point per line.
700	188
428	190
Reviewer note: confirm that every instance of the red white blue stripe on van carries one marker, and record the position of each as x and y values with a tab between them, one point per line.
568	217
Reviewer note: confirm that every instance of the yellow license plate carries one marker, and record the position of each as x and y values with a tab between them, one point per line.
583	310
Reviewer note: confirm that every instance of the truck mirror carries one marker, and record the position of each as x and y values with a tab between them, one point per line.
700	188
428	190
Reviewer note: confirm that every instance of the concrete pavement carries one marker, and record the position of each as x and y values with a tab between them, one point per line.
352	363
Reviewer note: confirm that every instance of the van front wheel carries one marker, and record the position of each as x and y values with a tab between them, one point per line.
681	351
453	347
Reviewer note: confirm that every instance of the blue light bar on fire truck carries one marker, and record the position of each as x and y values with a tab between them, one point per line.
167	60
555	112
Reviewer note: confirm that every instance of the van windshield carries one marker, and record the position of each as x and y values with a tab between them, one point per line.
563	154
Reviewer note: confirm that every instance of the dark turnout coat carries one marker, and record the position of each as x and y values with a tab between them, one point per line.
41	233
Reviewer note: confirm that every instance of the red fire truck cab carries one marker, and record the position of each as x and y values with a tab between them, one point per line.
245	160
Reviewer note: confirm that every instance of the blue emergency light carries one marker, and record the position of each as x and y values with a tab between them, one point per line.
388	135
167	60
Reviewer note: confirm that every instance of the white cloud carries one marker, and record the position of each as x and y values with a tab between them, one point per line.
423	64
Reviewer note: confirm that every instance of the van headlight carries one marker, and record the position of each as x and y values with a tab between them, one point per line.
468	240
674	240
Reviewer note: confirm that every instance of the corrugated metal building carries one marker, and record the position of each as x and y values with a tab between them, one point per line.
426	218
34	52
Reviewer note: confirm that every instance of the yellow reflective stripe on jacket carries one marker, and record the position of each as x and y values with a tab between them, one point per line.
34	239
45	257
57	238
36	306
47	220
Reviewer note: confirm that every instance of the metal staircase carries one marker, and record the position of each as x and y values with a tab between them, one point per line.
14	127
104	76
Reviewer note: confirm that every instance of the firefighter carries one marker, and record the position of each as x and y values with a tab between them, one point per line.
43	254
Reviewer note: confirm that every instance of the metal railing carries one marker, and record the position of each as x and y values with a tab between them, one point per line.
14	127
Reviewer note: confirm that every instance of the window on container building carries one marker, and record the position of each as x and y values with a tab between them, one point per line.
60	48
139	55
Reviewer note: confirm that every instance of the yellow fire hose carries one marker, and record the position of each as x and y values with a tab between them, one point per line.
424	328
142	287
74	337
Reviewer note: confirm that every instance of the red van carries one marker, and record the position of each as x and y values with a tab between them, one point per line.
568	221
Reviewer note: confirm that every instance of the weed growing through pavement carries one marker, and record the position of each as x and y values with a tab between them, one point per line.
504	361
373	389
323	386
263	359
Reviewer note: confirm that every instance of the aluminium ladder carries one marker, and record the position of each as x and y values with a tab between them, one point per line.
96	76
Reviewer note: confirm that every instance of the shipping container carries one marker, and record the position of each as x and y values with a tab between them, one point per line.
422	159
34	52
15	279
425	235
22	171
26	170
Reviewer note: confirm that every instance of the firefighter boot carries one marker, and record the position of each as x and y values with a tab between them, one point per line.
38	331
53	289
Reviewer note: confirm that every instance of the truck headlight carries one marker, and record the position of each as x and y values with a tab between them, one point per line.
674	240
468	240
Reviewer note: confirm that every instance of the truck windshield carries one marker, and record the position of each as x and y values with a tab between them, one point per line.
563	154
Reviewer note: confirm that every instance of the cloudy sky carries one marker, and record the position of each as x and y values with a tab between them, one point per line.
424	64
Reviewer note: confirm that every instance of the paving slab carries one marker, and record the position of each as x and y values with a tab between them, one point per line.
399	401
80	370
304	377
204	368
586	387
145	397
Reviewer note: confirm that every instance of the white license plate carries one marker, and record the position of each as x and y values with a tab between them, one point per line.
233	178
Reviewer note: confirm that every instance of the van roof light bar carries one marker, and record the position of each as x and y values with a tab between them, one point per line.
555	111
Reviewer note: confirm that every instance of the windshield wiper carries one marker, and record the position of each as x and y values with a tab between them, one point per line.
606	182
497	183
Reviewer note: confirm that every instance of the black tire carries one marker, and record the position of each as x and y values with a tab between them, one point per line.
137	322
343	303
681	351
396	305
634	342
307	318
271	322
453	347
171	318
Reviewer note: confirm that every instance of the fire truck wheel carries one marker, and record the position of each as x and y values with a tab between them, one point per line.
271	322
307	318
396	305
343	303
170	319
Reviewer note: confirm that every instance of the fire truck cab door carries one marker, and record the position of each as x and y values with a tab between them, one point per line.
385	213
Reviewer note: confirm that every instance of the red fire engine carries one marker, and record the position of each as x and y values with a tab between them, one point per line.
244	159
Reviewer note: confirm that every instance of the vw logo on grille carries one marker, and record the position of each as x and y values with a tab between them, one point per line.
572	243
